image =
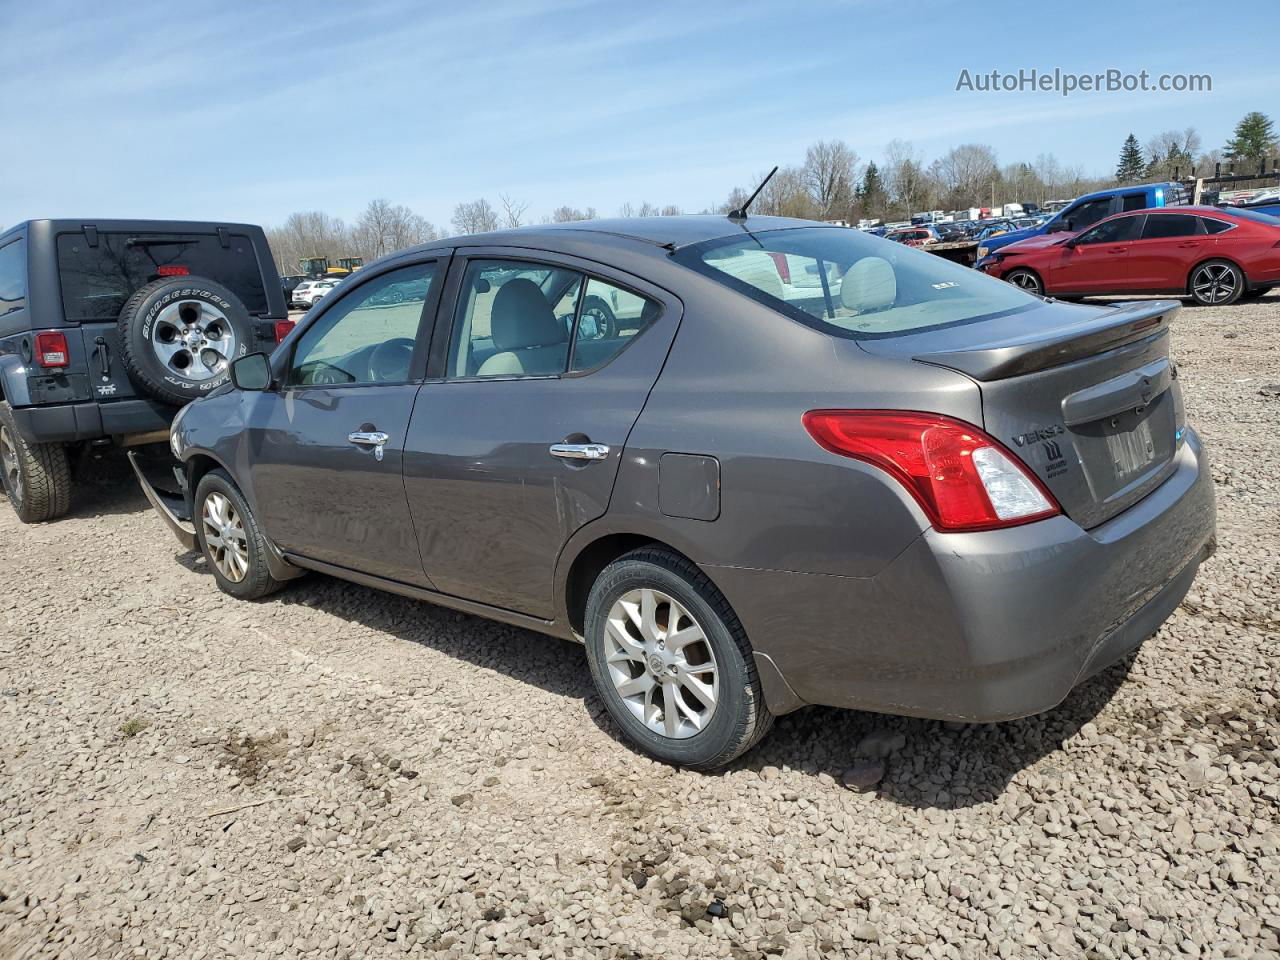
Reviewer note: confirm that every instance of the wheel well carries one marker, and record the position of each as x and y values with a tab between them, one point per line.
197	467
588	564
1244	276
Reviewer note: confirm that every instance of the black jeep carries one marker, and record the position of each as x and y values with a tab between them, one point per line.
108	326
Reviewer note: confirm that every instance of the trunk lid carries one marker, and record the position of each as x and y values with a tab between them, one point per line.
1086	397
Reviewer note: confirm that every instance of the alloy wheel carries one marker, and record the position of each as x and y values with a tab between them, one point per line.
661	663
224	537
193	339
1214	282
1027	281
9	463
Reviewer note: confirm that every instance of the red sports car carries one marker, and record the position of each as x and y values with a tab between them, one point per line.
1213	255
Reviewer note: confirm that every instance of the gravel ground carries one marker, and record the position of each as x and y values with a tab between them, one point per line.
336	772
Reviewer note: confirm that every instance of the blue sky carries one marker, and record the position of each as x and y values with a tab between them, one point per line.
249	110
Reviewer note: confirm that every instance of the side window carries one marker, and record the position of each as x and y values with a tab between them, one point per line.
611	317
1160	225
514	319
1215	226
1113	231
368	335
1087	214
1135	201
13	277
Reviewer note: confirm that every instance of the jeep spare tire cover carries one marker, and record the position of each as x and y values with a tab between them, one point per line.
179	335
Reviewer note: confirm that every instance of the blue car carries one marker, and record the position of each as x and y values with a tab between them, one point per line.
1084	212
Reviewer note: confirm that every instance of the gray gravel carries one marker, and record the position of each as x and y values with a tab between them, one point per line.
335	772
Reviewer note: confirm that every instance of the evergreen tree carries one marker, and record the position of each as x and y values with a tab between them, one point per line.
1254	139
871	191
1132	166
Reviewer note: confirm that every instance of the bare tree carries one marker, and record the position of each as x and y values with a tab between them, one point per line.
670	210
512	211
570	214
967	173
830	172
309	233
647	209
1172	150
475	217
904	175
627	209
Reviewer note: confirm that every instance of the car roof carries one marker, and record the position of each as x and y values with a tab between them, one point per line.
670	233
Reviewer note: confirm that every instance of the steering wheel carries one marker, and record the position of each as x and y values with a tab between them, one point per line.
319	373
389	362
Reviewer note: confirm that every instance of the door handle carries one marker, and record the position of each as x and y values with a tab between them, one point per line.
369	438
580	451
1190	243
1116	249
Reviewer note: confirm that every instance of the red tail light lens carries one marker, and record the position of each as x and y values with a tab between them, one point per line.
961	477
283	329
170	270
51	350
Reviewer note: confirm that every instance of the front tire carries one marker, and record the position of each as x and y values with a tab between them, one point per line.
672	663
232	542
1216	283
36	477
1027	280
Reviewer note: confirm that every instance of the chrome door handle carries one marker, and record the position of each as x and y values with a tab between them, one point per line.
369	438
580	451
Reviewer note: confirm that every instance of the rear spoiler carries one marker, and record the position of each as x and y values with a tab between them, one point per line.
1034	349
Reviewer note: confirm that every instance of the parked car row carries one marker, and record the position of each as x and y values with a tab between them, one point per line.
666	437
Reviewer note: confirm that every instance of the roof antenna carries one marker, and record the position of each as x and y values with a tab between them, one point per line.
741	212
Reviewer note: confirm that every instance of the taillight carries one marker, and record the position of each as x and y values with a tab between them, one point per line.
283	329
51	350
783	267
172	270
961	477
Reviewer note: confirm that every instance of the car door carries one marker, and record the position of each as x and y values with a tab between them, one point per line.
1097	260
1170	245
326	447
516	437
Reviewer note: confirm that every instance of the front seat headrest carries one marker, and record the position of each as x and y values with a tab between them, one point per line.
521	317
870	284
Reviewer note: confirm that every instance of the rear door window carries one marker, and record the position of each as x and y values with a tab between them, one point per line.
609	319
1215	226
13	276
1163	225
96	281
1088	213
1135	201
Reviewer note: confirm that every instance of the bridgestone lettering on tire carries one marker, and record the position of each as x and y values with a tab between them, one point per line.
671	661
36	477
180	335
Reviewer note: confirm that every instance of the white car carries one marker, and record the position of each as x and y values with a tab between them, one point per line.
309	291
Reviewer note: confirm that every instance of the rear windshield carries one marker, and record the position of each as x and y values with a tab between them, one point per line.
96	281
1257	216
852	284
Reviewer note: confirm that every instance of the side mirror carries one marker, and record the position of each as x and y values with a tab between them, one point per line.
251	372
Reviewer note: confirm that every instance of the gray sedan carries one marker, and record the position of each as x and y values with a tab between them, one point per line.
750	463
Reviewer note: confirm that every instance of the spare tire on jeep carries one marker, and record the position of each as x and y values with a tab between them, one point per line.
179	335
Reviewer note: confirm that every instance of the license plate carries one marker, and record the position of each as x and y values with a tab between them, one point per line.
1132	450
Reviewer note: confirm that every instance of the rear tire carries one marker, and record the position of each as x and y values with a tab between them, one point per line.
1027	280
1216	283
232	542
707	679
36	477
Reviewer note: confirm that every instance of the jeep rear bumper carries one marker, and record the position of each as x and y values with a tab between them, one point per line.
91	421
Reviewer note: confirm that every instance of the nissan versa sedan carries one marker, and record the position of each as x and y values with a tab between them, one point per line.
908	488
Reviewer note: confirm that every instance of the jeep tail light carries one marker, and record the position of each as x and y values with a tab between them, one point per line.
782	266
51	350
962	478
172	270
283	329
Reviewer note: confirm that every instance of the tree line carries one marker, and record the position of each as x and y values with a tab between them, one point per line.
831	183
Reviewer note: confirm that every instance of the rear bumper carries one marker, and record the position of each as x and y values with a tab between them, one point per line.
984	626
91	421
